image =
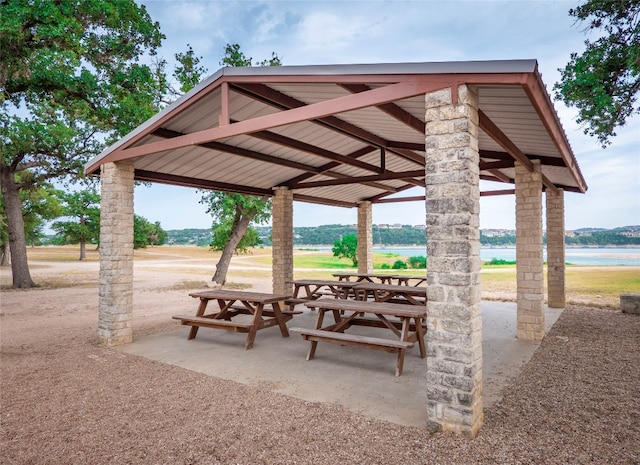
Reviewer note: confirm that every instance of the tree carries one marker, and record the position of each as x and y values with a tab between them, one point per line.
222	231
71	80
233	213
146	233
347	247
603	82
38	205
83	210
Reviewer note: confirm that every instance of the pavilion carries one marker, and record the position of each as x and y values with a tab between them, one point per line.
353	136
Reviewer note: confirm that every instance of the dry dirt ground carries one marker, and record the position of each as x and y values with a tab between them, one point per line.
66	400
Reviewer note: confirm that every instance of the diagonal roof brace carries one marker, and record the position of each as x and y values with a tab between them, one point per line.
362	179
493	131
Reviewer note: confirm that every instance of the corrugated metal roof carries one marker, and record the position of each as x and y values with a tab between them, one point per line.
357	128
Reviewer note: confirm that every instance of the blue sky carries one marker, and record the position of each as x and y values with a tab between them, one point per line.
317	32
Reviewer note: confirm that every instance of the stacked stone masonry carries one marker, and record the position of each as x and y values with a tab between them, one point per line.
365	237
555	249
529	252
454	336
116	255
282	240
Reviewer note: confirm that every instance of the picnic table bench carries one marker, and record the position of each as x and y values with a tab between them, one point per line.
404	321
305	290
392	293
384	278
233	303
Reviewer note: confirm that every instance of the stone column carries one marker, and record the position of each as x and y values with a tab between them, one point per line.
116	254
454	335
282	240
556	297
365	237
529	257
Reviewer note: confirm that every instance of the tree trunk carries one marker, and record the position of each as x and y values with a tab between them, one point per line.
237	233
15	226
83	250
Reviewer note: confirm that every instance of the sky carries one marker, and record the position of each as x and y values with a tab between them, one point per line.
343	32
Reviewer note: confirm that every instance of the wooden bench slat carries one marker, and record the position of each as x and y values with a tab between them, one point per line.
352	338
203	321
383	308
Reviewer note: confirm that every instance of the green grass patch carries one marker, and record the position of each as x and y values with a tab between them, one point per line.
498	261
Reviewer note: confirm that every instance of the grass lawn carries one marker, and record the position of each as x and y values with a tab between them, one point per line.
586	283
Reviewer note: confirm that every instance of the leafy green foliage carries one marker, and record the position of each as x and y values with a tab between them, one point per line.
499	261
222	232
418	262
82	208
146	233
399	265
603	82
347	247
72	79
39	204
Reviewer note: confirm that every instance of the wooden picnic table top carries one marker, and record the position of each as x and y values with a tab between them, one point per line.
365	275
393	288
379	308
228	294
322	282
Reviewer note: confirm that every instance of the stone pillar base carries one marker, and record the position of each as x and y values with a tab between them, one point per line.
630	303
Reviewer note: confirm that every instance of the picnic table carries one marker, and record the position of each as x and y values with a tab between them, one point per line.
404	321
405	279
233	303
366	277
415	295
305	290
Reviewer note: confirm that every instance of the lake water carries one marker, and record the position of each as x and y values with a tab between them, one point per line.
574	256
582	256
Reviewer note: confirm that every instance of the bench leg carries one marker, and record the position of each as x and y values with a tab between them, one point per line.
312	350
400	364
257	319
201	308
280	319
420	334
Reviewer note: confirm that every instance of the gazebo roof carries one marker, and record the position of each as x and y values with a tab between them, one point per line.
341	134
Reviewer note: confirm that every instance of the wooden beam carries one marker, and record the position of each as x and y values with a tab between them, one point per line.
323	201
546	161
282	101
175	180
498	192
292	116
314	150
403	199
493	131
168	134
359	180
391	109
496	165
541	101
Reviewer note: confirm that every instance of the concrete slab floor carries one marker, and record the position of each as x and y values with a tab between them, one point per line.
360	379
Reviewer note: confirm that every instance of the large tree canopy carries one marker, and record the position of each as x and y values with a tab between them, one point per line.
71	80
603	82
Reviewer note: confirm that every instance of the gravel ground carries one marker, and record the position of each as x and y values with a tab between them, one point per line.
65	400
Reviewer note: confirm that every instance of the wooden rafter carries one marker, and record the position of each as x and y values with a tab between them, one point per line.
391	109
360	180
493	131
285	102
175	180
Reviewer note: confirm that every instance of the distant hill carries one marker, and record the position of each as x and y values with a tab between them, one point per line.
408	235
